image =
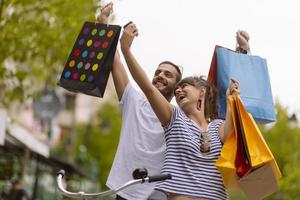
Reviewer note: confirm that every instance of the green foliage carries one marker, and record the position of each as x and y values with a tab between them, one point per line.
290	183
100	138
283	140
35	41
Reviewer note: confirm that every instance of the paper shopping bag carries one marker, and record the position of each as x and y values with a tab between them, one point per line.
260	183
256	154
213	70
226	161
258	150
262	180
252	73
89	63
242	160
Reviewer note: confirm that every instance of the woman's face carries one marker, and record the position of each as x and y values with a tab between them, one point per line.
187	95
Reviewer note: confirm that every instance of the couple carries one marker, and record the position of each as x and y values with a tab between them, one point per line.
164	138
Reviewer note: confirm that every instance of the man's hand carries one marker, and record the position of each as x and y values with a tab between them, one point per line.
130	31
242	38
104	14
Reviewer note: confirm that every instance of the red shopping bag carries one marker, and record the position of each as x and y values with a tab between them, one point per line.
242	160
213	70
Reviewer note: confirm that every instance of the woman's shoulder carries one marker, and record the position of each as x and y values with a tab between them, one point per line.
216	122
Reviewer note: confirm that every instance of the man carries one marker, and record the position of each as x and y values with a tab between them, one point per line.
16	192
142	143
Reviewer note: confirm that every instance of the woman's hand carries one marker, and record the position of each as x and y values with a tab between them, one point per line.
130	31
233	89
227	128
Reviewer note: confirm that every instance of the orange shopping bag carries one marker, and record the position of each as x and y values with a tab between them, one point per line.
259	152
226	161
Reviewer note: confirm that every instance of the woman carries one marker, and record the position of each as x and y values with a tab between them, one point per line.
194	174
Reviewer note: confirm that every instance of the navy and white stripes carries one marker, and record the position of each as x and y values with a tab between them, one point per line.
192	173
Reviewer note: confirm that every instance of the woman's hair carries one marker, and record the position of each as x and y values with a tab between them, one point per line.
211	106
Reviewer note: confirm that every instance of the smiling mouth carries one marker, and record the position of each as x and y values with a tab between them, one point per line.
162	83
180	97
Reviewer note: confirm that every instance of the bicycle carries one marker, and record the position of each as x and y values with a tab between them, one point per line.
140	176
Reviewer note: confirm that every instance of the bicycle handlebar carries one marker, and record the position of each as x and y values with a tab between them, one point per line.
159	177
83	195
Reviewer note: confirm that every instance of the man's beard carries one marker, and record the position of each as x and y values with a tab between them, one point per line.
167	92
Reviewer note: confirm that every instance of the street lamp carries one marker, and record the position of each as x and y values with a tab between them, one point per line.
47	106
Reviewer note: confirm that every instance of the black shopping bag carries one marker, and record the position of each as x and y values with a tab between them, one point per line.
89	63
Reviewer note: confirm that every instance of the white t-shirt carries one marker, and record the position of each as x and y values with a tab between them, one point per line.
141	145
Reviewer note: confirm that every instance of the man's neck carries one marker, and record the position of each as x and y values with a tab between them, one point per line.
168	97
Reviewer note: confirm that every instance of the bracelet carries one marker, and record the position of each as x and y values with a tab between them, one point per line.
240	50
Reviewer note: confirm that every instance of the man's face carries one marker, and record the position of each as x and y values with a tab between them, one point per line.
165	79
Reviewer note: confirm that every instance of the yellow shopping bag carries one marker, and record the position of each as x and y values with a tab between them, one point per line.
258	150
226	161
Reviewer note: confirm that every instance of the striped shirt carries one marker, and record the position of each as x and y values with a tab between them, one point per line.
192	173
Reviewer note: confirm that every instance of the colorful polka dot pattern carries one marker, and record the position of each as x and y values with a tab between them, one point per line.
86	58
86	66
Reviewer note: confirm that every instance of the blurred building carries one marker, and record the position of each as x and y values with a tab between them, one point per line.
293	121
25	144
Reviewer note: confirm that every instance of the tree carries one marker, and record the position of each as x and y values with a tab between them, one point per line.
36	38
100	138
283	140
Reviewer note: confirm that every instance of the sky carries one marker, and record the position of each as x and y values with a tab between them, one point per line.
186	31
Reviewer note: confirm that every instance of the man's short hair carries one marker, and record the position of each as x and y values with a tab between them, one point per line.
179	76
